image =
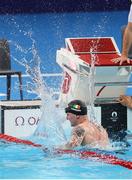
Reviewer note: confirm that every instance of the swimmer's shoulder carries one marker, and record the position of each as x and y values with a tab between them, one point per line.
79	130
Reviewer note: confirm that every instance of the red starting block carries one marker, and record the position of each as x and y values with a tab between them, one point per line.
110	79
105	49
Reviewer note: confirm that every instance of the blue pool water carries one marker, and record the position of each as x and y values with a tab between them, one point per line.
24	162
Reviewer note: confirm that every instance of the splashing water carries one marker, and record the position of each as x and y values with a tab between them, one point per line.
49	129
91	87
91	82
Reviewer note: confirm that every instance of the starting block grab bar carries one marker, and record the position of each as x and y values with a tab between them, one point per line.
114	84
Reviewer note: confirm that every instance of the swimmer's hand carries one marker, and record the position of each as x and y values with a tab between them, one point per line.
125	101
121	60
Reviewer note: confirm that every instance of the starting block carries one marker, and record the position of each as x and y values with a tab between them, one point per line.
87	61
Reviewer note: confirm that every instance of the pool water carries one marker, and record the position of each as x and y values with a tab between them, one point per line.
26	162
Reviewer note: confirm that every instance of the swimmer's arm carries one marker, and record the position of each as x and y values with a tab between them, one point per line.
76	138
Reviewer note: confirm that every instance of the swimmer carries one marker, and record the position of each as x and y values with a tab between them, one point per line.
84	131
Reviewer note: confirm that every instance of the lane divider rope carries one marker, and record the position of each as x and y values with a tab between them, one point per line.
110	159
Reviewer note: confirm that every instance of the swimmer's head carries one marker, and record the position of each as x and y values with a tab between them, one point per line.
76	107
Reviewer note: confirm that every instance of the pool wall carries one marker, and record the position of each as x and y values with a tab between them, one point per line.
20	118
